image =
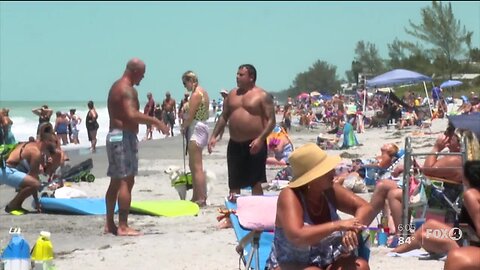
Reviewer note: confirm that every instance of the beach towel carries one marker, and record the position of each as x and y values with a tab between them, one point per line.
246	236
349	138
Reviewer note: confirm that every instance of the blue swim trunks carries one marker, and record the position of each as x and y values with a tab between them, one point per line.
11	177
122	152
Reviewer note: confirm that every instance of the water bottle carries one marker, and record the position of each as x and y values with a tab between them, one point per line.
16	256
42	252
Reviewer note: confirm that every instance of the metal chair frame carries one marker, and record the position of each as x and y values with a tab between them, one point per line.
408	172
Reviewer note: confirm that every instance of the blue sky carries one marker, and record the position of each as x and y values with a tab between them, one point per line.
74	51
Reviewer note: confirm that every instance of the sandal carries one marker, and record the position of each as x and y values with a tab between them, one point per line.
16	212
392	241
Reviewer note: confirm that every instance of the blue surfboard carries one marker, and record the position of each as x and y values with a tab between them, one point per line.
75	206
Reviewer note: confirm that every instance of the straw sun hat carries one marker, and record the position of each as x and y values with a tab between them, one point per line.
308	163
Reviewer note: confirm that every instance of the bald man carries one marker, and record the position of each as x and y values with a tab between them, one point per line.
122	145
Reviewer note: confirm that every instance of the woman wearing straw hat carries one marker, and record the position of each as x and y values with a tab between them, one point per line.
308	232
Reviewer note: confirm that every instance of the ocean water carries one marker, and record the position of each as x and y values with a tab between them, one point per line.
25	122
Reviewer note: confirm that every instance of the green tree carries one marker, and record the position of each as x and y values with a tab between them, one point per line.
409	56
446	35
367	58
321	76
475	54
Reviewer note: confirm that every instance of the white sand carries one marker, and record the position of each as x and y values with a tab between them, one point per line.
181	242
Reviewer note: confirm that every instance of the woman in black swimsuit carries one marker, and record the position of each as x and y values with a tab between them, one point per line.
92	126
44	114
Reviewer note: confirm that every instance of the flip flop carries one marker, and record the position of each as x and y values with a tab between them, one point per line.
16	212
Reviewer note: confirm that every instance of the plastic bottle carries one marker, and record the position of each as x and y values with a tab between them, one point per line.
16	255
42	253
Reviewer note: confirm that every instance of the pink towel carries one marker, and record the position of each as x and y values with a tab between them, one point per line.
257	212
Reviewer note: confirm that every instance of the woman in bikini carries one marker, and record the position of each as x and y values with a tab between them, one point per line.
196	130
308	231
23	166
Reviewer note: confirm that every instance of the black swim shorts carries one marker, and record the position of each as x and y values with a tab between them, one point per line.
245	169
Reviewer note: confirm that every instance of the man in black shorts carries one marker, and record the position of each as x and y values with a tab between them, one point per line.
250	114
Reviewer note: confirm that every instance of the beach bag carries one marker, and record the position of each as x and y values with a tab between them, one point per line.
416	191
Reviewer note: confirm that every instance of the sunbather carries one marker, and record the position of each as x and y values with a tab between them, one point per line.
381	163
391	190
470	214
280	144
308	231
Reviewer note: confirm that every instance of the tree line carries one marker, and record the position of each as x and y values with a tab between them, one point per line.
443	48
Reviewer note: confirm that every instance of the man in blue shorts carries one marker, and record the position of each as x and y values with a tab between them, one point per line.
24	164
122	145
249	111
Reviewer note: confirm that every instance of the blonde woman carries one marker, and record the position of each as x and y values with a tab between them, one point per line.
196	130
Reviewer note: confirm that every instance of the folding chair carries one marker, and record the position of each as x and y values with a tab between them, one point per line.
253	220
373	173
409	164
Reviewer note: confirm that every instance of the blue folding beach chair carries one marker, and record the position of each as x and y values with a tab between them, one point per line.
373	173
254	240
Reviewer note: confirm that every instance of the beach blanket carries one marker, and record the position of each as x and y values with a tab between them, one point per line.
420	253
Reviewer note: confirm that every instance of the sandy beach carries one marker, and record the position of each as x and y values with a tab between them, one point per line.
180	242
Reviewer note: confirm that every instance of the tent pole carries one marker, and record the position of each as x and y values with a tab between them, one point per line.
429	105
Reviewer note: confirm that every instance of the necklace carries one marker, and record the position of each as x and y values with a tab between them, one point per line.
312	206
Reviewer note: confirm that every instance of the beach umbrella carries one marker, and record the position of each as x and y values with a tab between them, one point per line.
450	83
303	95
467	121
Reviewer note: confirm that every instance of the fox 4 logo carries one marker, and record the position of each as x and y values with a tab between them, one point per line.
454	233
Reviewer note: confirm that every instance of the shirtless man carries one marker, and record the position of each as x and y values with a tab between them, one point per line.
23	166
169	108
250	113
122	145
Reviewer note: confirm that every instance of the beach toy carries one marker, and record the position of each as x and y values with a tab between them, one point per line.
373	235
167	208
382	238
16	256
42	253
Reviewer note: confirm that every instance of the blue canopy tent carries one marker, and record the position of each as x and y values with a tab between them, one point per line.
399	77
